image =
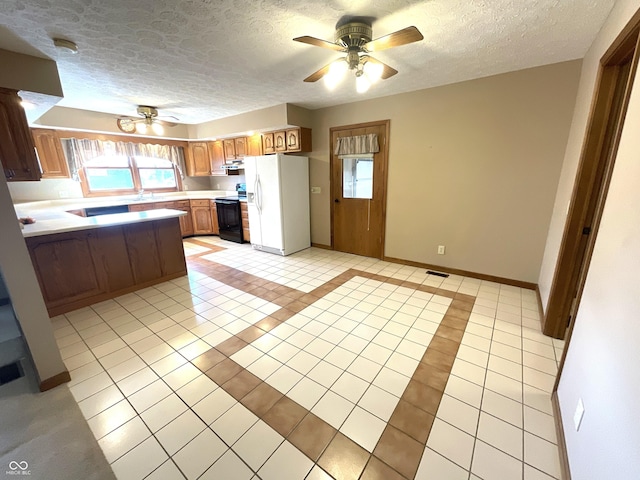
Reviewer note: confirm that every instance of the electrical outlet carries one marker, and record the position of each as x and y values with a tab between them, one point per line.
440	249
578	414
316	189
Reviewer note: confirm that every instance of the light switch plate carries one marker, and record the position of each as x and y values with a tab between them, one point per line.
316	189
579	413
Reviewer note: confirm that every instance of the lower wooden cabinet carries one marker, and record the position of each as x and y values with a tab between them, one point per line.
76	269
186	222
201	216
215	229
67	266
244	211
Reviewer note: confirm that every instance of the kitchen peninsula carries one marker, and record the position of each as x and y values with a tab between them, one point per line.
80	261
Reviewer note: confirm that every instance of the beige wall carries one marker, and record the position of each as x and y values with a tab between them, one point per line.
602	359
33	74
86	120
257	120
473	166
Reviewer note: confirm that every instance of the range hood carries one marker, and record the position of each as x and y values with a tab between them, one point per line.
233	165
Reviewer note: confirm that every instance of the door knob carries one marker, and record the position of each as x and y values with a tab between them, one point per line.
337	201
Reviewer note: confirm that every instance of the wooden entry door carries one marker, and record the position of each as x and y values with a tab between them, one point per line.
358	224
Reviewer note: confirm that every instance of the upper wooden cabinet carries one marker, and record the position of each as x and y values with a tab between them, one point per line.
235	148
280	141
197	161
254	145
17	152
216	154
268	145
50	153
287	141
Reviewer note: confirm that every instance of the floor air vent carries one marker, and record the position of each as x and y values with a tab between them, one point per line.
437	274
10	372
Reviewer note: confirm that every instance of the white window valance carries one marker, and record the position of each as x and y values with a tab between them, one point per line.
357	145
79	151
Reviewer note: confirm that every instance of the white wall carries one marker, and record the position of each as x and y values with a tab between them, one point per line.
22	284
604	354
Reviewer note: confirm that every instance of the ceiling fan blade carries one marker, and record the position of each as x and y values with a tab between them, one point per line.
387	71
317	75
319	43
165	123
395	39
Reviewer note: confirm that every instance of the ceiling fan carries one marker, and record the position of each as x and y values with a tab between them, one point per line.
149	120
354	39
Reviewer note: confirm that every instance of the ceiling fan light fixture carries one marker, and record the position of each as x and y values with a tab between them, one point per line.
362	83
337	72
373	71
141	128
157	128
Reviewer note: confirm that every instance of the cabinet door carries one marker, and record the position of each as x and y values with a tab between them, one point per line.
52	257
143	251
254	145
229	149
244	211
198	164
186	223
49	149
216	153
215	229
17	152
267	143
293	140
280	141
201	220
240	145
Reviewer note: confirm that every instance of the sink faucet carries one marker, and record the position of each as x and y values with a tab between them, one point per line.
140	194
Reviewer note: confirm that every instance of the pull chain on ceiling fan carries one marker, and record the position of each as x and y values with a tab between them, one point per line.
354	39
149	120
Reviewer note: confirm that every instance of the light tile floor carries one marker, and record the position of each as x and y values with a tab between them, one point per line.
260	366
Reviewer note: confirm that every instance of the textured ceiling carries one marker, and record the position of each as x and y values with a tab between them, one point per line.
206	59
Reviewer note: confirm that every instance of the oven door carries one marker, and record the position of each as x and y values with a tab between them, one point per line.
229	219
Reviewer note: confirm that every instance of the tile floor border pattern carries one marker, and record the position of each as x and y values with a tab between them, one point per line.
398	452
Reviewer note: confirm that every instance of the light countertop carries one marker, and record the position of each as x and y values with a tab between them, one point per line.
78	203
61	222
51	216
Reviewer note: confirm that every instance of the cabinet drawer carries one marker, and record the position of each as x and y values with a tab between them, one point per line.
181	204
199	203
158	205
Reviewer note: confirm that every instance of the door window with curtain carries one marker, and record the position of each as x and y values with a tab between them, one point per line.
107	168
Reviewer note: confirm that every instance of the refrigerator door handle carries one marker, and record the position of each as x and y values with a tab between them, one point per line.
256	195
259	192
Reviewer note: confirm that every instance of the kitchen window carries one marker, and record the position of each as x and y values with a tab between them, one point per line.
116	168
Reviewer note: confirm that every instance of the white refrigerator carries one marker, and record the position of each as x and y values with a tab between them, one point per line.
278	203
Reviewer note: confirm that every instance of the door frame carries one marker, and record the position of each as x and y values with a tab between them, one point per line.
595	167
625	46
384	148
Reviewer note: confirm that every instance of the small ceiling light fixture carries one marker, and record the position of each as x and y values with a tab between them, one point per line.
66	45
